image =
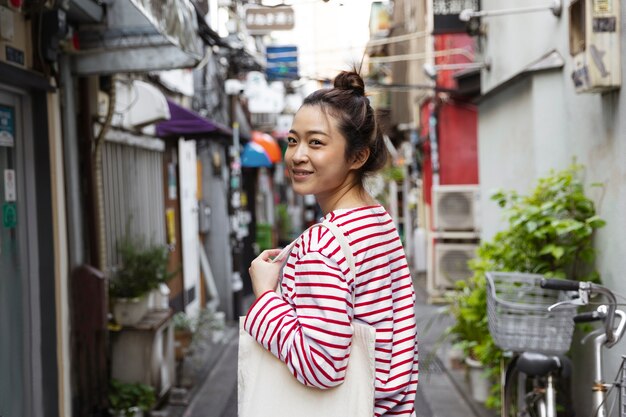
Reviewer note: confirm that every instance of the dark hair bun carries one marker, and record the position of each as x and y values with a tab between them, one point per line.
350	80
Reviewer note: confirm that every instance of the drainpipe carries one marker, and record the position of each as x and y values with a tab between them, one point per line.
98	181
72	174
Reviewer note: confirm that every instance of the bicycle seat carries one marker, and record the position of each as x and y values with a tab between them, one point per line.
538	364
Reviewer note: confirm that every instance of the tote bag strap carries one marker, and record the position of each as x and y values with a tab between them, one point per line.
343	243
345	248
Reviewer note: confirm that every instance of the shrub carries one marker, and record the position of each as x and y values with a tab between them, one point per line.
548	232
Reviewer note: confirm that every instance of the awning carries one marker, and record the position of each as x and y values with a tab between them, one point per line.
138	104
187	123
141	36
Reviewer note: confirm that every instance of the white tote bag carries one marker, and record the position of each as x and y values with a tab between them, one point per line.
266	388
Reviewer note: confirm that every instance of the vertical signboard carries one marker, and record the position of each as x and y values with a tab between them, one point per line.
7	126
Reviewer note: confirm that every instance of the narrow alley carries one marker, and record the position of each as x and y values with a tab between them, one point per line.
443	391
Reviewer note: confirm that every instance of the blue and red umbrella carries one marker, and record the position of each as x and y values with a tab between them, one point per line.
261	151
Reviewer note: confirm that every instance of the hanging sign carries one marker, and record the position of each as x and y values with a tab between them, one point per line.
9	185
266	19
7	126
446	15
172	190
9	215
170	220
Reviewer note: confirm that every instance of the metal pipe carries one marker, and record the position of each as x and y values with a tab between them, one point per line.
550	398
72	172
467	14
461	66
399	38
421	55
98	180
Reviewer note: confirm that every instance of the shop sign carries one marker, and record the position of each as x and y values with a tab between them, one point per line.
282	62
7	126
9	185
9	215
267	19
446	15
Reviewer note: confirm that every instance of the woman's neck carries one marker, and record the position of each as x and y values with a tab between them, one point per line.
349	197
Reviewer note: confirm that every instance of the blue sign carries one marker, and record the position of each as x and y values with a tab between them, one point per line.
282	62
7	126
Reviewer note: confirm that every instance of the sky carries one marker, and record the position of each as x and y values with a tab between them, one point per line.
330	36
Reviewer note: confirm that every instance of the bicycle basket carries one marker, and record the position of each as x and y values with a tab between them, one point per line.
519	320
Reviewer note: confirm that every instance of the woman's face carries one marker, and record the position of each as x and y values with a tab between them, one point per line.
315	154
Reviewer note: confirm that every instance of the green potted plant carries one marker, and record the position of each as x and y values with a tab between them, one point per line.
549	231
130	399
142	269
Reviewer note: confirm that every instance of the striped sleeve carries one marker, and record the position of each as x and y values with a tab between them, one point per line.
312	333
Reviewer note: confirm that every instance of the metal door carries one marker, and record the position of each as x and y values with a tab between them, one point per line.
13	272
187	166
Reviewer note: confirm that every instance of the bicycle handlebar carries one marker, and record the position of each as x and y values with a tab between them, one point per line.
560	284
570	285
588	317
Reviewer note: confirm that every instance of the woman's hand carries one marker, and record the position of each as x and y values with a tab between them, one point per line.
264	273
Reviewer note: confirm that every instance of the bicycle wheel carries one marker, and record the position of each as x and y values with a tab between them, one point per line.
525	396
521	396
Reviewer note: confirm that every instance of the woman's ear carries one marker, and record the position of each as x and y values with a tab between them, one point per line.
360	158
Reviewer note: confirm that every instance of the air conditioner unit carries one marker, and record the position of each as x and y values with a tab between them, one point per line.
594	43
450	264
455	207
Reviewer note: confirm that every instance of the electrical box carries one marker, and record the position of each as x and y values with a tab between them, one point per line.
455	207
15	39
594	43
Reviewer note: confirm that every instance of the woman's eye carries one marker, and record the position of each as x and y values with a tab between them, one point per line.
315	142
291	140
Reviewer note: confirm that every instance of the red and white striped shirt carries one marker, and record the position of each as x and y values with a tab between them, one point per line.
308	328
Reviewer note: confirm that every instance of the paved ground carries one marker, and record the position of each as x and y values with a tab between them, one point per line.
210	373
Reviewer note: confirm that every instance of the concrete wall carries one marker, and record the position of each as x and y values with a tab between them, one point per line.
539	123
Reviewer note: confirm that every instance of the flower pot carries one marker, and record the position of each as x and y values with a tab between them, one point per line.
182	341
130	311
455	358
159	298
479	383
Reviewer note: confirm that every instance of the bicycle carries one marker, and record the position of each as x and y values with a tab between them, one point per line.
533	318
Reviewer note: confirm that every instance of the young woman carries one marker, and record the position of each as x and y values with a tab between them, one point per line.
334	143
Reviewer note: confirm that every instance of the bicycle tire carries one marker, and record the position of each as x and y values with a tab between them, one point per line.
510	400
520	398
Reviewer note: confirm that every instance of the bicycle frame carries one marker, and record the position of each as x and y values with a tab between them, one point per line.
599	386
607	337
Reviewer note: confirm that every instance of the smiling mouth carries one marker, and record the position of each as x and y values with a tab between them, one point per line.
299	173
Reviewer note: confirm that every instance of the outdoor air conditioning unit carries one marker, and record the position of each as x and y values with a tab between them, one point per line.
594	43
455	207
451	263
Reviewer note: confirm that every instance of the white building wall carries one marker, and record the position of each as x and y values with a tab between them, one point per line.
539	123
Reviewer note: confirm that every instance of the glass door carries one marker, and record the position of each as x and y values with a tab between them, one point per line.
12	274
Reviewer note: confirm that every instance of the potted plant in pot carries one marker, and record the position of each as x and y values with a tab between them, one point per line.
549	232
183	334
141	270
130	399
